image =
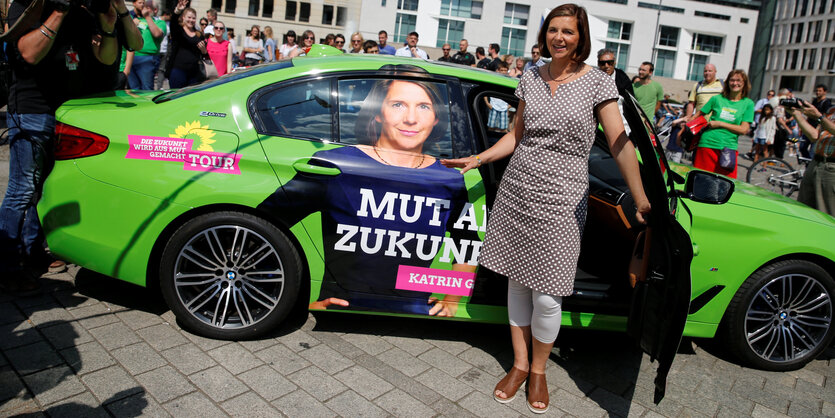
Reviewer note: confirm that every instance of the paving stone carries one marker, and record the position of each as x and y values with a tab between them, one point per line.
805	399
326	358
218	383
483	405
398	379
828	409
692	399
111	384
10	384
797	410
115	335
282	359
86	358
364	382
10	314
165	384
138	358
139	405
371	344
615	404
48	315
93	316
258	345
162	336
761	411
66	334
447	408
479	380
571	384
249	405
18	334
301	404
235	358
413	346
727	412
53	385
404	362
137	319
188	358
318	383
267	382
667	407
726	398
352	403
448	386
452	345
72	299
194	405
32	358
82	405
298	340
483	361
205	344
445	361
40	299
400	404
573	404
19	406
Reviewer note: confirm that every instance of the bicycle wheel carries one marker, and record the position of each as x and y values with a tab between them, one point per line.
775	175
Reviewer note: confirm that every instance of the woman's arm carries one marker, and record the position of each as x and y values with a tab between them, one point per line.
500	150
36	44
804	125
624	153
128	62
229	54
809	110
740	129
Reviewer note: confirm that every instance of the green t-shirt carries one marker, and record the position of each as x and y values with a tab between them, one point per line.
150	46
648	95
123	59
724	110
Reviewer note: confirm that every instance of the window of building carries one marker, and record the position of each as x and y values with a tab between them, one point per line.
800	7
290	11
668	36
615	1
513	40
799	34
516	14
793	82
403	24
451	31
253	7
217	4
230	6
665	63
383	3
706	43
327	14
619	30
743	20
269	5
813	55
824	51
695	66
662	8
621	53
818	27
304	12
831	63
828	28
470	9
411	5
341	15
713	15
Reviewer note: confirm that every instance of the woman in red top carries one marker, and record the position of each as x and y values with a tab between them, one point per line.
219	50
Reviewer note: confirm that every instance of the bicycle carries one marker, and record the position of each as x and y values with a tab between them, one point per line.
777	175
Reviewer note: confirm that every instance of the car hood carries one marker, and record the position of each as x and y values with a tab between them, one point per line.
757	198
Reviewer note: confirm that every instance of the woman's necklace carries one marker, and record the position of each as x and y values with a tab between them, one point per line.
422	157
561	79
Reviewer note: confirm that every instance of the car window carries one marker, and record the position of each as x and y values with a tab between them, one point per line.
495	116
235	76
368	107
300	110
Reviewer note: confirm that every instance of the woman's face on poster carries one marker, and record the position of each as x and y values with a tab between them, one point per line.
407	117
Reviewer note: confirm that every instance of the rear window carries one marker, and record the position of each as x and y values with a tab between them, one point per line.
235	76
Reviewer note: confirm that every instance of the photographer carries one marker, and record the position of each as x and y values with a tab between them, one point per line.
69	50
818	186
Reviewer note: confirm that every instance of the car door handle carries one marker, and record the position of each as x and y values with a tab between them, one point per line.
304	167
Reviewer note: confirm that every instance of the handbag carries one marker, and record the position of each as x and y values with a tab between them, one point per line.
727	159
692	133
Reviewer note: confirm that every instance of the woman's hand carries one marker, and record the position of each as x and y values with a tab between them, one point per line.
202	46
642	215
809	110
108	19
445	308
181	5
324	303
465	164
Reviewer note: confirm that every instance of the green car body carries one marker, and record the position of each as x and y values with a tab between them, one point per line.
115	214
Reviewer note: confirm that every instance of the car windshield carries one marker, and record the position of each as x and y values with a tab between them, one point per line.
237	75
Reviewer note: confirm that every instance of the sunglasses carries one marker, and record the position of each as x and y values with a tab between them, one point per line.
605	62
219	28
309	37
338	42
203	24
445	49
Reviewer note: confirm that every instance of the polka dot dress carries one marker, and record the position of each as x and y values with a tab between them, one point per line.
533	235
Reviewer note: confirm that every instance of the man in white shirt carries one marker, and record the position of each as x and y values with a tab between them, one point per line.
411	49
536	58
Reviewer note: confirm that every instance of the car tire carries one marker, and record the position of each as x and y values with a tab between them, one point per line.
781	317
229	275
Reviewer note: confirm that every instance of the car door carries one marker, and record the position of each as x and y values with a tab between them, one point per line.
661	259
398	232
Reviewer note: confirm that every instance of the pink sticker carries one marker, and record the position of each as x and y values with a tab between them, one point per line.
179	149
423	279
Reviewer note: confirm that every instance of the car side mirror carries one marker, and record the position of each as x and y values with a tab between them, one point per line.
705	187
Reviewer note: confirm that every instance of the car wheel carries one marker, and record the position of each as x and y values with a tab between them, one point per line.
781	317
229	275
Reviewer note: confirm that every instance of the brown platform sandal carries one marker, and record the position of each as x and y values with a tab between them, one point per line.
510	384
537	392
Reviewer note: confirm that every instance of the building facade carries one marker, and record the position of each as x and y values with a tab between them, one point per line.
679	36
802	47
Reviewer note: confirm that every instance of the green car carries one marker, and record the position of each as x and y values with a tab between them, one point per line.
318	180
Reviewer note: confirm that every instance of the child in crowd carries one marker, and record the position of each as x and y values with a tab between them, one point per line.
764	134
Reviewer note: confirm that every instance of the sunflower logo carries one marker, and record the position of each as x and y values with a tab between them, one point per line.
195	129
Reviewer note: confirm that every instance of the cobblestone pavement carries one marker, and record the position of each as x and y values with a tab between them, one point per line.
91	346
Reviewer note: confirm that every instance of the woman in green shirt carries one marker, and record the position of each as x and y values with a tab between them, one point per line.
730	115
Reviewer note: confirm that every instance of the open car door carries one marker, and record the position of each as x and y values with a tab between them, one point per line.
660	268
